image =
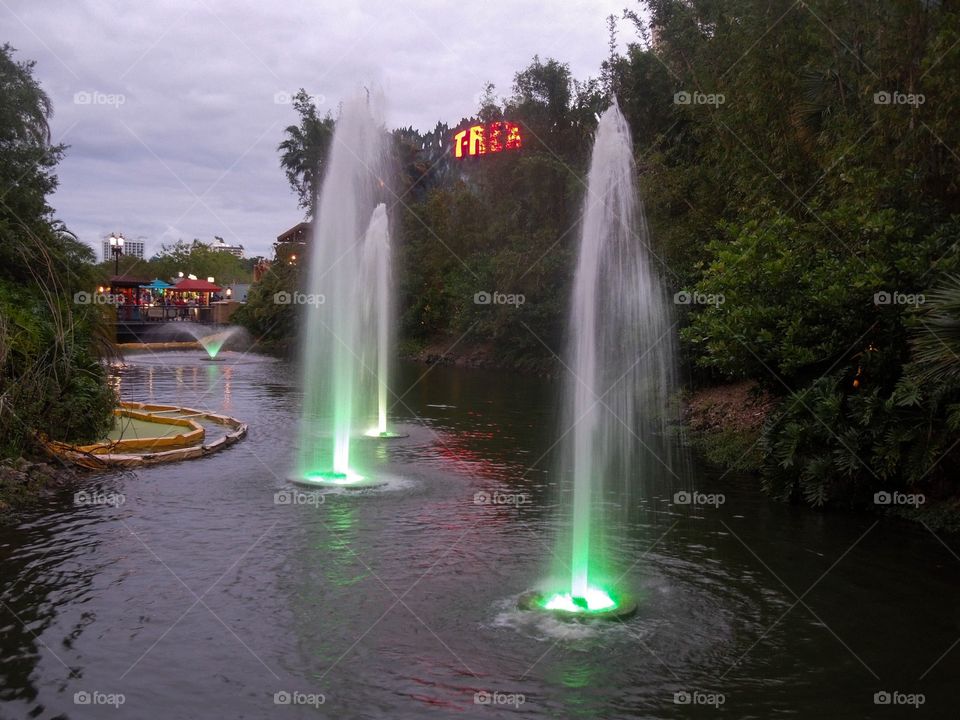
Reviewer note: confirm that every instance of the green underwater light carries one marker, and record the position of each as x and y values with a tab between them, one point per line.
332	478
377	433
593	600
594	604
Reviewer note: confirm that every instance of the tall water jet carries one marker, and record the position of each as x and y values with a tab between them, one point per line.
335	341
378	311
618	396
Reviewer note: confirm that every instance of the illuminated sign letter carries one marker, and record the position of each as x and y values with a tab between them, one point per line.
459	142
495	137
480	140
513	136
478	145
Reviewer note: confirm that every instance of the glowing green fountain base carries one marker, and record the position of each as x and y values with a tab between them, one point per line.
348	480
385	435
213	358
596	605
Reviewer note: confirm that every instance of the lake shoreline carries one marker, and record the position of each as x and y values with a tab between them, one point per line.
454	352
24	481
723	422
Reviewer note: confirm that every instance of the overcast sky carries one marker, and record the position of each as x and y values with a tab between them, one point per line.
173	109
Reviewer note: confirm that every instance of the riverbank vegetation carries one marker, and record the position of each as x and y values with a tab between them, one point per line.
799	168
52	382
815	201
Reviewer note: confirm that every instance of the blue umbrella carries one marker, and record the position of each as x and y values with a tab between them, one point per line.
157	284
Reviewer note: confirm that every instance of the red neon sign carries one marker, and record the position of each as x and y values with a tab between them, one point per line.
482	139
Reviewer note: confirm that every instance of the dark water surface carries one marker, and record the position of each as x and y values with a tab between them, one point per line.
201	596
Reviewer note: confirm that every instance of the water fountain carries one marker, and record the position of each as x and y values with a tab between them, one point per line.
211	342
351	225
378	318
621	362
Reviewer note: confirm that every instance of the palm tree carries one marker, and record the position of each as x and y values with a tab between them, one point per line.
304	151
935	338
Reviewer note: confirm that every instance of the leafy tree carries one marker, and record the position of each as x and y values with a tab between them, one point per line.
51	381
199	259
273	324
26	173
303	152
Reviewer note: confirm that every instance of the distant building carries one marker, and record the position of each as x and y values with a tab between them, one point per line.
130	247
220	245
291	244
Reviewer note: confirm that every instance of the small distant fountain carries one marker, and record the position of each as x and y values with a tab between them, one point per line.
621	357
212	343
348	326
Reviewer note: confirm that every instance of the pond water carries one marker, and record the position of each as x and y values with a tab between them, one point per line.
205	593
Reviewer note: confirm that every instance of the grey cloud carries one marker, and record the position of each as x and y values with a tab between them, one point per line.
199	81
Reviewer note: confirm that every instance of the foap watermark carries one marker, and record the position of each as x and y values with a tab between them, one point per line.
495	697
898	298
498	298
699	697
895	697
98	298
692	497
296	497
895	97
698	98
685	297
298	298
898	498
284	98
95	697
94	97
85	498
483	497
295	697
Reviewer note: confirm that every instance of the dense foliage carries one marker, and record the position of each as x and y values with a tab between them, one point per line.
272	324
51	380
819	200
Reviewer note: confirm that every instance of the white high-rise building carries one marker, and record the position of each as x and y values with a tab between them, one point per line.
130	247
220	245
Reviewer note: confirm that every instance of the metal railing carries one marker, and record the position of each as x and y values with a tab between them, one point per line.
164	313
